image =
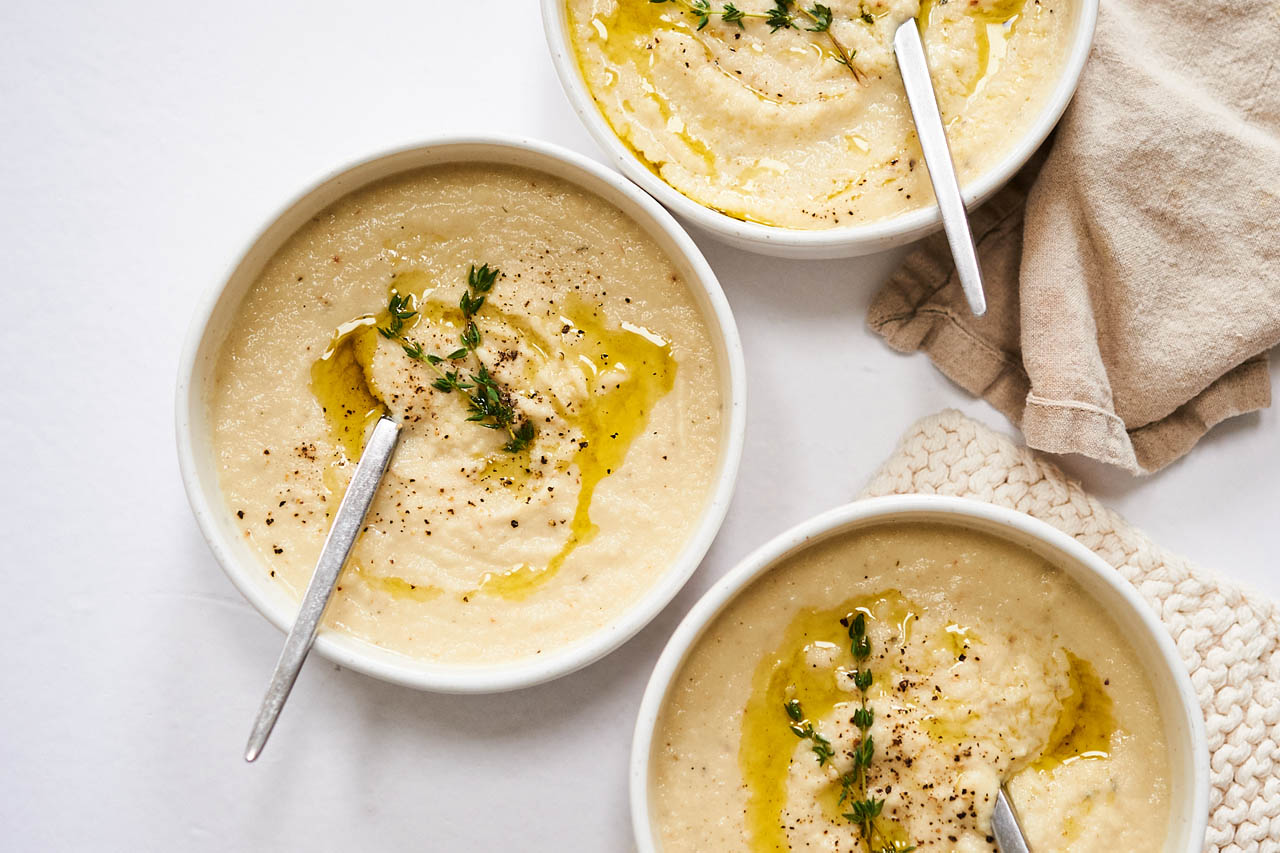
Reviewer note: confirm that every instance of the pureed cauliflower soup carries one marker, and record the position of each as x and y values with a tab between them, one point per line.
769	125
558	393
917	665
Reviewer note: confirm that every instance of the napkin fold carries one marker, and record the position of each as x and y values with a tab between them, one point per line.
1229	639
1133	267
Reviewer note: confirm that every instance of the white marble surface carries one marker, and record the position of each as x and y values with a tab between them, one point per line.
143	144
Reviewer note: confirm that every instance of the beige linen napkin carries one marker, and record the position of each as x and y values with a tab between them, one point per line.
1229	639
1133	272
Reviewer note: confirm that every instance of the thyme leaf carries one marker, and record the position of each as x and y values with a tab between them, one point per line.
779	17
821	16
488	403
864	809
803	729
782	15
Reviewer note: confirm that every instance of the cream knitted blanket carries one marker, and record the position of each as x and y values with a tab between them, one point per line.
1229	639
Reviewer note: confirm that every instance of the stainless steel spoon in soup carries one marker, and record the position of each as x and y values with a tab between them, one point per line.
1005	826
342	537
909	50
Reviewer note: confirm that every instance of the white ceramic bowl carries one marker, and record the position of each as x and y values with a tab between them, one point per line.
1184	723
214	317
828	243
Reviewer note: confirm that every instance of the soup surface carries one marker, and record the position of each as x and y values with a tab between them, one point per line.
982	664
557	387
769	126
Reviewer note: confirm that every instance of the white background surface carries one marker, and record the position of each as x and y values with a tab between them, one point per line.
143	144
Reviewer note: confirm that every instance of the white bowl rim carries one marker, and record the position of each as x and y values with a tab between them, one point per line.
816	243
764	558
401	669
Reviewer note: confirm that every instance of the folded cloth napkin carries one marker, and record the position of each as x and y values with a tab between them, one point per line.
1133	270
1229	639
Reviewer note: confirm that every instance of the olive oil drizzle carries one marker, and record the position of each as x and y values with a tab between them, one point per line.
767	744
341	385
1086	722
398	587
622	37
625	34
340	377
993	28
627	370
1083	730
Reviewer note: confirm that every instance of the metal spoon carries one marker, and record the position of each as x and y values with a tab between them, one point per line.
1005	826
333	556
909	50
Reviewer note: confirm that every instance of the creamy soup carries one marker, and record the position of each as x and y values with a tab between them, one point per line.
557	388
985	665
769	126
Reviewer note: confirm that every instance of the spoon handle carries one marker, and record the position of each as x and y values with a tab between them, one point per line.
909	50
333	556
1005	826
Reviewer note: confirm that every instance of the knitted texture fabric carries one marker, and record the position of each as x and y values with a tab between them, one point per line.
1228	638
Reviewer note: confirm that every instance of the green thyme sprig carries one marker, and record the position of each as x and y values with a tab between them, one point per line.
488	403
804	730
490	407
400	310
864	810
783	15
